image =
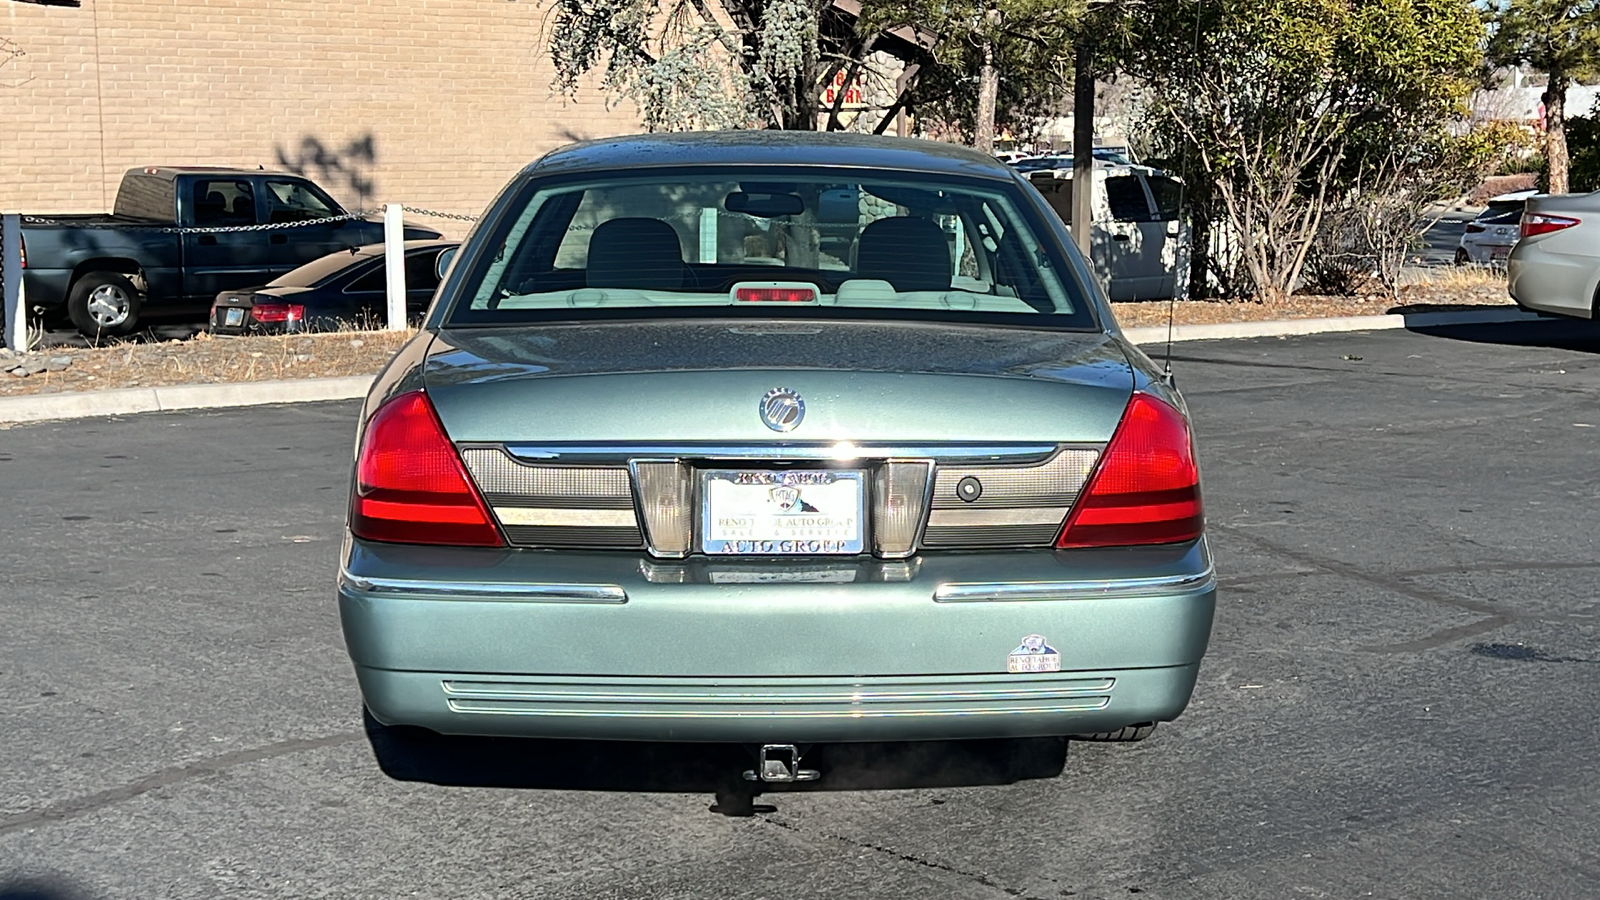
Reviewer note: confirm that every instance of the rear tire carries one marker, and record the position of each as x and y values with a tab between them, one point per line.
1462	258
103	304
1131	734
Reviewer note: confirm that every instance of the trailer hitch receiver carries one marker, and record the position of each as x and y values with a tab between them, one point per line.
780	764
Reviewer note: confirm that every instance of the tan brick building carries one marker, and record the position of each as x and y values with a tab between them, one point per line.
433	103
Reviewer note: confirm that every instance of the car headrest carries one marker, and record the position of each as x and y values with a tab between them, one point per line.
211	202
910	254
642	254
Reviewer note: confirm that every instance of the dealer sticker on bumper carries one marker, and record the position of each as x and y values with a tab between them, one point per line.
1034	655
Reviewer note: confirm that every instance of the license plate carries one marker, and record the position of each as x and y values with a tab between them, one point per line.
234	317
1499	252
791	512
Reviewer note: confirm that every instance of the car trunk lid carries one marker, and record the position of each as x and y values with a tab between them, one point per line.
647	435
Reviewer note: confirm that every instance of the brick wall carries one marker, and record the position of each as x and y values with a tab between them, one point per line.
433	103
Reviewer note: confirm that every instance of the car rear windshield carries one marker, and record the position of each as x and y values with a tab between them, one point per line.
320	270
765	243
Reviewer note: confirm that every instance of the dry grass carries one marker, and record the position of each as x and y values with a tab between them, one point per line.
205	359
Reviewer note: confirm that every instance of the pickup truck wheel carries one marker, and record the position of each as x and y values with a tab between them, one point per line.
103	304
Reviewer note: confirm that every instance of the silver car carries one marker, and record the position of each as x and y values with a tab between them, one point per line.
1487	240
1555	267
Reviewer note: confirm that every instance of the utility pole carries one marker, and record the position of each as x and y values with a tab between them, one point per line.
1082	145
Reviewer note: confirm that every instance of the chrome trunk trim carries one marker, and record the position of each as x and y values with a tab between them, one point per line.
483	590
832	451
1189	582
565	518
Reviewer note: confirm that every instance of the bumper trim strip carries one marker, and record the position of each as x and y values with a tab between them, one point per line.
1074	590
480	590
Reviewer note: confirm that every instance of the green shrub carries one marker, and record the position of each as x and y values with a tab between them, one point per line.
1583	148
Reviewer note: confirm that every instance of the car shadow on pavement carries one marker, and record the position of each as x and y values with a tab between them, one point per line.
38	889
408	754
1564	334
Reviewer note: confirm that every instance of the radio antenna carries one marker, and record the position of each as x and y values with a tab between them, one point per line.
1183	196
1166	364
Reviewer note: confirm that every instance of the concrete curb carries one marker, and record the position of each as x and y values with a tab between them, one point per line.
45	407
48	407
1156	334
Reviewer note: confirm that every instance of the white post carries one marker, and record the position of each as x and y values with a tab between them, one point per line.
16	304
394	265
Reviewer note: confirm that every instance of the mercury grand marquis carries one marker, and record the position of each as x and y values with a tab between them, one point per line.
777	440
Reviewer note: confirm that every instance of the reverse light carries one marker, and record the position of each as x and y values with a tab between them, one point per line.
273	313
1539	223
410	485
1146	488
898	488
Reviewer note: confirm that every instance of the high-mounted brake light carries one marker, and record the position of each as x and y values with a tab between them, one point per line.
1538	223
775	293
410	485
1146	488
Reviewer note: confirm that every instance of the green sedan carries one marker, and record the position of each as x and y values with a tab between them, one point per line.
773	439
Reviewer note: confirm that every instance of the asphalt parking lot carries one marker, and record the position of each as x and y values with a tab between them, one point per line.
1398	702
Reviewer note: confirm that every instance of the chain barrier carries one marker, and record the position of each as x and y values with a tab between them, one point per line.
439	215
236	229
193	229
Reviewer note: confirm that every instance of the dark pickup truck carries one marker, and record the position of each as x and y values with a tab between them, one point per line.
106	272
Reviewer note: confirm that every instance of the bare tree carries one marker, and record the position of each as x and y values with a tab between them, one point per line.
1275	107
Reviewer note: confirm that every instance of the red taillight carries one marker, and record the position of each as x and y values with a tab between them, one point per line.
776	294
1537	223
410	485
270	313
1475	228
1146	489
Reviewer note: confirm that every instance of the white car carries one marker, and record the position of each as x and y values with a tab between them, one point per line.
1555	268
1492	233
1139	241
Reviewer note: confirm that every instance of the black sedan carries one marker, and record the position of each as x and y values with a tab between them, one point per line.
347	289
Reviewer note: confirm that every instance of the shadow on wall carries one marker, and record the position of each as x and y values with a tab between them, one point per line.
339	169
10	52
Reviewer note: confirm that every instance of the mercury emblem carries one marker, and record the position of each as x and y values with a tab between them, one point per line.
782	409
